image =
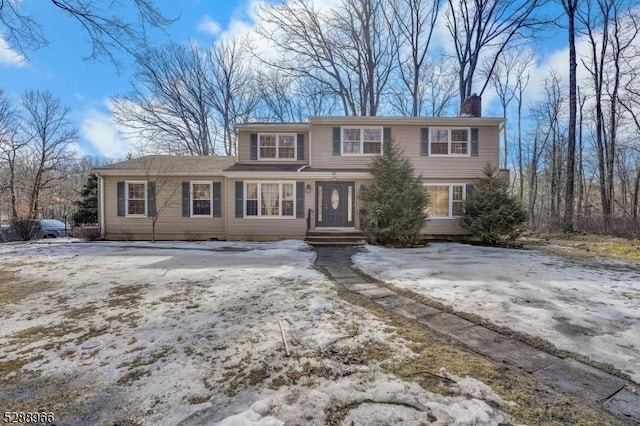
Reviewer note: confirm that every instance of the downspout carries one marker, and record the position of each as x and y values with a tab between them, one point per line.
103	228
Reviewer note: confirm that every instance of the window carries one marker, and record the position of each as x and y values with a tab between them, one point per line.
445	200
136	198
270	199
277	146
201	199
361	141
453	142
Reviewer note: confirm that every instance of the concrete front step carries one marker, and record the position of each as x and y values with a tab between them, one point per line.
334	237
335	242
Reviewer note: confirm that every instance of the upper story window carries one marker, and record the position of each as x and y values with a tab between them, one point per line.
136	198
277	146
362	140
454	142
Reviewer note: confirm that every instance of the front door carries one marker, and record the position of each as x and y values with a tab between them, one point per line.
334	205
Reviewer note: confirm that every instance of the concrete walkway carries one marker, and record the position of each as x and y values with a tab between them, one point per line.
616	395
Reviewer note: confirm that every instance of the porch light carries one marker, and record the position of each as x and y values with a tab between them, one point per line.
308	188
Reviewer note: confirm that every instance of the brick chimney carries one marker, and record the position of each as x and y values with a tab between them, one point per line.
472	106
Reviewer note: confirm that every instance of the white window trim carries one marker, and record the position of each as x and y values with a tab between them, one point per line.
362	129
449	142
450	185
126	198
191	199
259	210
277	157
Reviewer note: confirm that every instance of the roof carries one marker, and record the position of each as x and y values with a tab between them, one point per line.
418	121
264	168
265	127
168	164
377	120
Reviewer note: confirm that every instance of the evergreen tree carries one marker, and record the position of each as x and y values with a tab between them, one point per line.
394	205
490	212
87	208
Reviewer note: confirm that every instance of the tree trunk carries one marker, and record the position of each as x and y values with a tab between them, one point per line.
571	142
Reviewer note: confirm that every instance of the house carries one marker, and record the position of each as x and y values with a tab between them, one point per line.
292	178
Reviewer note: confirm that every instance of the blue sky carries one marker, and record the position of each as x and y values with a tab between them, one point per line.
86	86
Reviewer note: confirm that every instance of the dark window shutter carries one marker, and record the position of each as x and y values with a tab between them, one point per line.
336	140
254	146
186	199
470	189
424	141
122	210
151	199
239	198
474	142
300	143
217	199
386	138
299	199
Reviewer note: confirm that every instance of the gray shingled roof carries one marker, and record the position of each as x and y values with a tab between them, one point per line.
172	164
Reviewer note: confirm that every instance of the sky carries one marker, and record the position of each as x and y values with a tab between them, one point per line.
86	86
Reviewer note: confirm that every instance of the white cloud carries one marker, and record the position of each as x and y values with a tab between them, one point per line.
8	56
210	26
102	133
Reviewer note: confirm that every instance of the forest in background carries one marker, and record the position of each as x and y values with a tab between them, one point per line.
572	149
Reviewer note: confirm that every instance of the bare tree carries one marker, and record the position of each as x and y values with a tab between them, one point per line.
47	128
484	29
230	89
547	115
436	90
10	145
119	25
161	188
415	22
611	28
348	50
284	98
570	8
505	75
170	107
522	81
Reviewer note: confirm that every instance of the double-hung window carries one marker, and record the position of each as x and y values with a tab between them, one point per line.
445	201
201	199
361	140
136	201
277	146
270	199
453	142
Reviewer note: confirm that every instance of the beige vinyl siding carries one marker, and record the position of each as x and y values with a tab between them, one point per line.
170	224
244	148
266	228
408	139
443	227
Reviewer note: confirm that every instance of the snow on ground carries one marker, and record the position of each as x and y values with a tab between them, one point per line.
188	333
587	306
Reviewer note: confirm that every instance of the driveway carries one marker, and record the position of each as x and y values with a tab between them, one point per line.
587	306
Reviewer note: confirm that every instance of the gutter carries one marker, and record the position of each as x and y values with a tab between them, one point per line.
302	168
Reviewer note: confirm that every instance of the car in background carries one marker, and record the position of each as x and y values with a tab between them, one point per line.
51	228
26	229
